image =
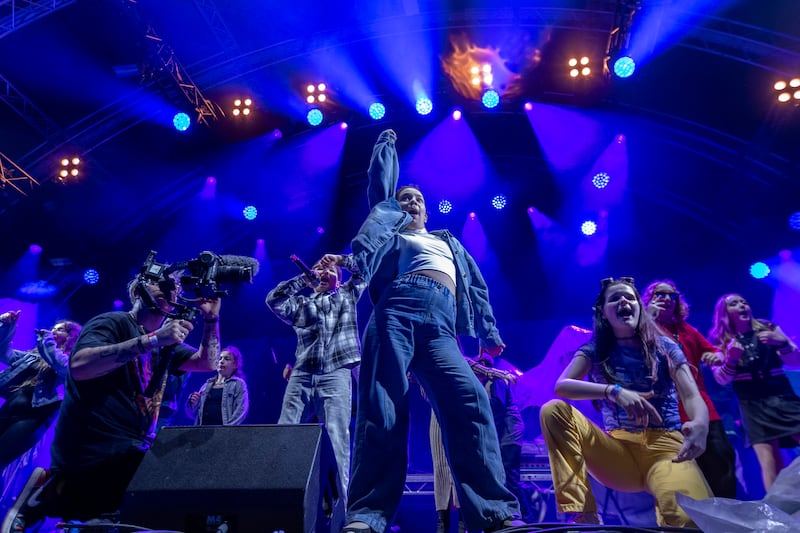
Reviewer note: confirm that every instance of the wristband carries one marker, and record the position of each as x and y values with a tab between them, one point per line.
140	344
615	390
211	320
153	340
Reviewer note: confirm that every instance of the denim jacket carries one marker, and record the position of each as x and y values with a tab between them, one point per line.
376	248
49	389
235	402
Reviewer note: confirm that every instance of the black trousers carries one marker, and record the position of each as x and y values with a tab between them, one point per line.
21	424
86	493
718	462
512	457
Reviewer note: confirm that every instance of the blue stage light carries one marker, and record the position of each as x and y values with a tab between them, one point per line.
624	67
589	228
181	121
90	276
794	221
490	99
445	206
600	180
377	111
499	202
250	212
759	270
314	117
424	105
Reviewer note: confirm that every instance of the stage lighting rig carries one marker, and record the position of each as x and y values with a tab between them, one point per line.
788	91
619	38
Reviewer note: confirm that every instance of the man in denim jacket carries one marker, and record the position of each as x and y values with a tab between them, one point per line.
426	289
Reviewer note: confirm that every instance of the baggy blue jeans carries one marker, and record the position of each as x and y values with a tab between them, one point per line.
413	328
329	397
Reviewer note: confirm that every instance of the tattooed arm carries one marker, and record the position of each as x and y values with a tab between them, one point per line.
102	355
96	361
205	359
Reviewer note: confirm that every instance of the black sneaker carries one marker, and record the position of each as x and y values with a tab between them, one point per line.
15	522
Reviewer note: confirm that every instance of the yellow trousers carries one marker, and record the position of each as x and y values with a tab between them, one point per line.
620	460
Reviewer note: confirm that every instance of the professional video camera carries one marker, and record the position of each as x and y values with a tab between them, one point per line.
200	277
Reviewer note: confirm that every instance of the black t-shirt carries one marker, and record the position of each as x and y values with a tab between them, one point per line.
101	417
212	408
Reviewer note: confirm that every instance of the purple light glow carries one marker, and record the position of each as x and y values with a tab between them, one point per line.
438	172
260	250
528	106
474	238
209	190
569	139
606	182
35	249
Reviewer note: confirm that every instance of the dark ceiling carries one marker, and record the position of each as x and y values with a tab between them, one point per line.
713	162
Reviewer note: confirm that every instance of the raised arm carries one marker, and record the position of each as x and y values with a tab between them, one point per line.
48	350
384	169
356	283
282	299
8	325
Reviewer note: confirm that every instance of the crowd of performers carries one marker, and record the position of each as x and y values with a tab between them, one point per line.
110	383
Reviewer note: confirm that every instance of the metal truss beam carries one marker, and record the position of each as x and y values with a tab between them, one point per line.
14	14
165	55
26	109
12	175
208	9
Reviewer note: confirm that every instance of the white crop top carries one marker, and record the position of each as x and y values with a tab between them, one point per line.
419	250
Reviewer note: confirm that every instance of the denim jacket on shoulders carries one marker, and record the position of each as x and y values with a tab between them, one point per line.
376	248
235	402
49	389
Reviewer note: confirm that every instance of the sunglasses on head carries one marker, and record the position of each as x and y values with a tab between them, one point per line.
604	283
666	294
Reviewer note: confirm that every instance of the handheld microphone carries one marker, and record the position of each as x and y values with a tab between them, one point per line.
304	269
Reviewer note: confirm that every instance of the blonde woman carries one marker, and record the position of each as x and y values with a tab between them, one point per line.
755	352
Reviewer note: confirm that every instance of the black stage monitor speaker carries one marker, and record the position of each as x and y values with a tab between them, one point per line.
237	479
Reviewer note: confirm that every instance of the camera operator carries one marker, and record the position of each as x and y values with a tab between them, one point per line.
118	370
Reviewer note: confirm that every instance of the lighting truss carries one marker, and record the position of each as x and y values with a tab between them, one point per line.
14	14
207	110
620	36
12	175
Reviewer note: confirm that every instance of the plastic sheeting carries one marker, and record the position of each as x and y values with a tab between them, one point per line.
778	512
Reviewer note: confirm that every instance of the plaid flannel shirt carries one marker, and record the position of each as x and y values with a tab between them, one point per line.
325	323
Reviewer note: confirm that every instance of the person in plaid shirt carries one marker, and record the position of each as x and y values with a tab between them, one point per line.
328	348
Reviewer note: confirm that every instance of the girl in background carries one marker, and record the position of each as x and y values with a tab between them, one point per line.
755	352
223	399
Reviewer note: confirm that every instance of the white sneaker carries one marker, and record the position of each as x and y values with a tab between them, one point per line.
14	521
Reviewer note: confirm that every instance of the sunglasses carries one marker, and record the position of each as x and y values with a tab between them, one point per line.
666	294
606	282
